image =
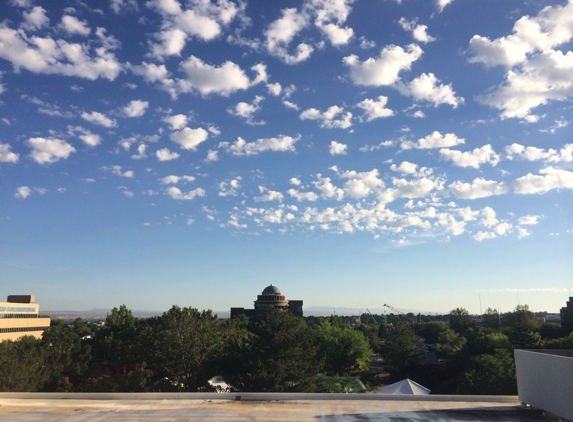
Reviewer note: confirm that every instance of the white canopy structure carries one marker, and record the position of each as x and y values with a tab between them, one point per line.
406	386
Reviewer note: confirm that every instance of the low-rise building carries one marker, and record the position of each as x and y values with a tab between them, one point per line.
19	316
271	297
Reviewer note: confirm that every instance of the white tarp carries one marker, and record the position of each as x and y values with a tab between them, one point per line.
406	386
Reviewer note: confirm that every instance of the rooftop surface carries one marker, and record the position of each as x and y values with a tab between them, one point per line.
52	407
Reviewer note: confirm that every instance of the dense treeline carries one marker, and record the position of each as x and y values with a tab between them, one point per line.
476	357
183	348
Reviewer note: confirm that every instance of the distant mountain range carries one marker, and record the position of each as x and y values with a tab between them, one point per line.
310	311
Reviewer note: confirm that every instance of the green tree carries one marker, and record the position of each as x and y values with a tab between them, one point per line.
460	320
492	319
190	343
550	330
432	330
65	358
115	344
280	356
450	343
345	351
490	374
398	344
22	364
522	331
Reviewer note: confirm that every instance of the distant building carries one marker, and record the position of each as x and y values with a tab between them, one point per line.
271	297
19	317
567	316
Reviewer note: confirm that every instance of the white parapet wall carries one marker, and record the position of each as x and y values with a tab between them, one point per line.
545	380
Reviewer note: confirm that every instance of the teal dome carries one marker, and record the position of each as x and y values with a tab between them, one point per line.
271	290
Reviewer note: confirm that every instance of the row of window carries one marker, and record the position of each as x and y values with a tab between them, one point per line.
17	309
21	329
18	316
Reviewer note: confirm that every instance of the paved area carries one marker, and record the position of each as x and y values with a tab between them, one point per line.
132	408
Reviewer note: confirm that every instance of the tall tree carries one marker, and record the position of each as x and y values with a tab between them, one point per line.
460	320
281	356
65	357
22	364
398	344
189	343
345	351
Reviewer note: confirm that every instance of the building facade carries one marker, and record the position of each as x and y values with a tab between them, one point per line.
19	316
271	297
567	316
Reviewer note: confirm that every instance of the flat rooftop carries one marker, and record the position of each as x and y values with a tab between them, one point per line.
191	407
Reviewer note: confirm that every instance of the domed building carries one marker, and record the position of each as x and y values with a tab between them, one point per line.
271	297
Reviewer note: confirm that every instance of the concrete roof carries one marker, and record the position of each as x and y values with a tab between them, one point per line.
52	407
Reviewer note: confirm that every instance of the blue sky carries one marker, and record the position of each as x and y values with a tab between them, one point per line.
354	153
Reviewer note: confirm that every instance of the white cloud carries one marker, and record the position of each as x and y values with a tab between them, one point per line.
35	19
375	109
268	195
74	26
550	28
59	57
361	184
333	117
98	118
290	104
419	32
528	220
426	87
303	196
117	6
419	114
136	108
414	188
89	138
49	150
441	4
247	110
330	16
295	181
22	192
176	122
140	152
550	179
328	189
118	171
274	89
543	78
172	179
229	188
521	233
406	167
7	156
336	148
384	70
280	34
204	20
479	188
474	158
212	155
152	72
190	139
222	80
434	140
165	155
176	193
241	147
479	236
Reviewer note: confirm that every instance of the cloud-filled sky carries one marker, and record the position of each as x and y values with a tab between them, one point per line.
353	152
